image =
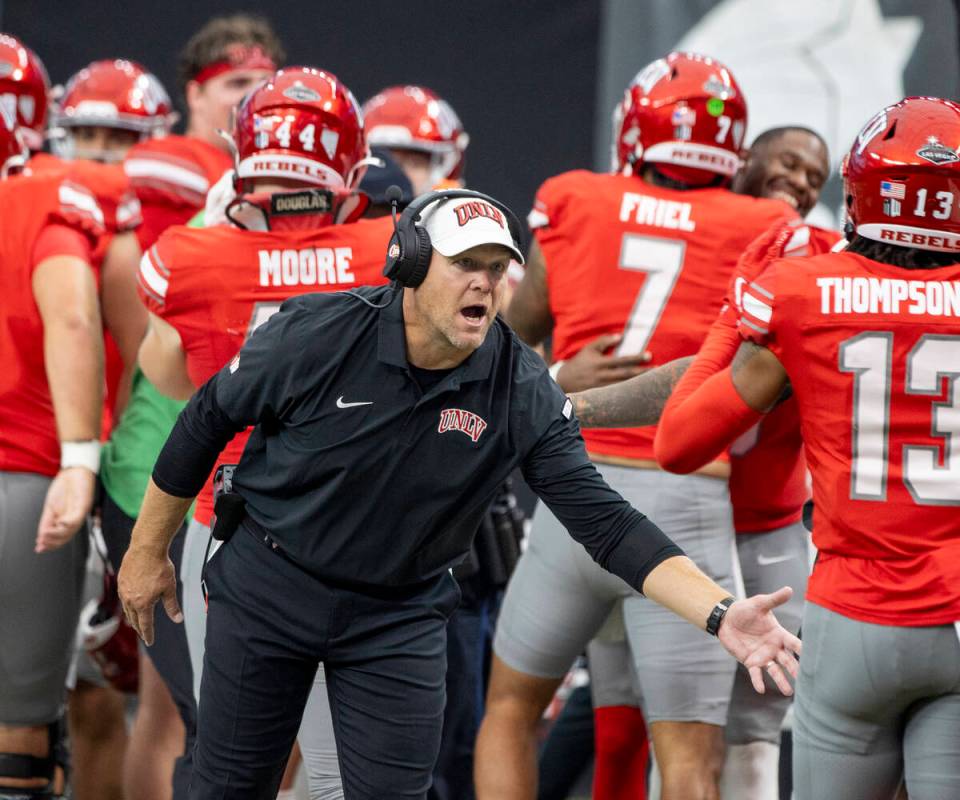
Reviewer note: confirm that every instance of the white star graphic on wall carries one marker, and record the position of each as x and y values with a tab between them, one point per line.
829	66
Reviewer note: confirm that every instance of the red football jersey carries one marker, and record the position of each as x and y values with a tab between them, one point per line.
121	213
108	183
216	285
624	256
171	177
28	204
873	353
768	472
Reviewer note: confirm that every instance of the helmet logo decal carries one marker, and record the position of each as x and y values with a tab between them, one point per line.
154	95
8	110
892	193
6	68
301	93
683	120
937	153
329	140
715	87
27	108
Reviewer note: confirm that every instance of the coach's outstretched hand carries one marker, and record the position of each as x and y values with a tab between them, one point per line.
751	633
145	577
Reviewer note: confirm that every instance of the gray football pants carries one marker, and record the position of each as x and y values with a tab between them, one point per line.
40	596
875	702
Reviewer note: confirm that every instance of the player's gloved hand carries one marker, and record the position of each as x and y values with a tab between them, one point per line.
68	501
592	367
752	635
145	577
767	247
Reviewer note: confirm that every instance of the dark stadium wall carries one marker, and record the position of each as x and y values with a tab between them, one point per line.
522	76
827	65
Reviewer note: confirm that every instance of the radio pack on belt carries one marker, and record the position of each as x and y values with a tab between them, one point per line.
229	508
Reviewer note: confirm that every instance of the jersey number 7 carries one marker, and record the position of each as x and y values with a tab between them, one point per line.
662	261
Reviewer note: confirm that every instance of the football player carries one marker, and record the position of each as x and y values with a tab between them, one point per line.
632	257
768	484
869	342
422	132
171	176
291	229
52	398
102	112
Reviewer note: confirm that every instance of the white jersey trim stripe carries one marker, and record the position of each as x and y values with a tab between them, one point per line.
757	328
80	200
761	291
179	176
756	308
152	279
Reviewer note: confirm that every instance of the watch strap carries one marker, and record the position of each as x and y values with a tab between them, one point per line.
716	616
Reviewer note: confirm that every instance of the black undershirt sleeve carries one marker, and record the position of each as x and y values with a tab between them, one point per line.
617	536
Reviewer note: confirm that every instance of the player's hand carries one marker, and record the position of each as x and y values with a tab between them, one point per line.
753	636
68	501
591	367
767	247
144	578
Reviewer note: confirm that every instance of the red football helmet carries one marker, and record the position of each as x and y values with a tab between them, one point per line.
12	151
115	94
108	638
24	88
303	124
902	176
684	113
415	118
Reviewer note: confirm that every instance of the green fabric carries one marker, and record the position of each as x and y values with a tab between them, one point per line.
126	461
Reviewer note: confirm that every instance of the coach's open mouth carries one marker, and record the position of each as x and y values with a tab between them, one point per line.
474	315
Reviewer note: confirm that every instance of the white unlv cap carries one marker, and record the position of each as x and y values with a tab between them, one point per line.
460	223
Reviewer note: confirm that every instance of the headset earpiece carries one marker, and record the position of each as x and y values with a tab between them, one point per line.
410	250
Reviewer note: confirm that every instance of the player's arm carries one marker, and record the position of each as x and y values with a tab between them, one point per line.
163	361
65	291
124	315
731	402
632	547
529	311
631	403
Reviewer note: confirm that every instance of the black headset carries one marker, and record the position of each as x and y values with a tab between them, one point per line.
410	250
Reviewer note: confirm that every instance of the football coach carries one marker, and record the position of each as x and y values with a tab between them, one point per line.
385	419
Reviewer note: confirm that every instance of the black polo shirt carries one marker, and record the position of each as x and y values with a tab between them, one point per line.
361	477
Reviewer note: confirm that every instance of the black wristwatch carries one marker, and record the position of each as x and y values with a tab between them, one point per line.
716	616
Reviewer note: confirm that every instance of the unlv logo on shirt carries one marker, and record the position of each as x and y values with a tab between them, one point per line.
456	419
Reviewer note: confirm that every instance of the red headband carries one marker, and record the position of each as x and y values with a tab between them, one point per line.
238	56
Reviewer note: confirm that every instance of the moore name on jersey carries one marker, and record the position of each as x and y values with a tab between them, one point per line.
308	266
